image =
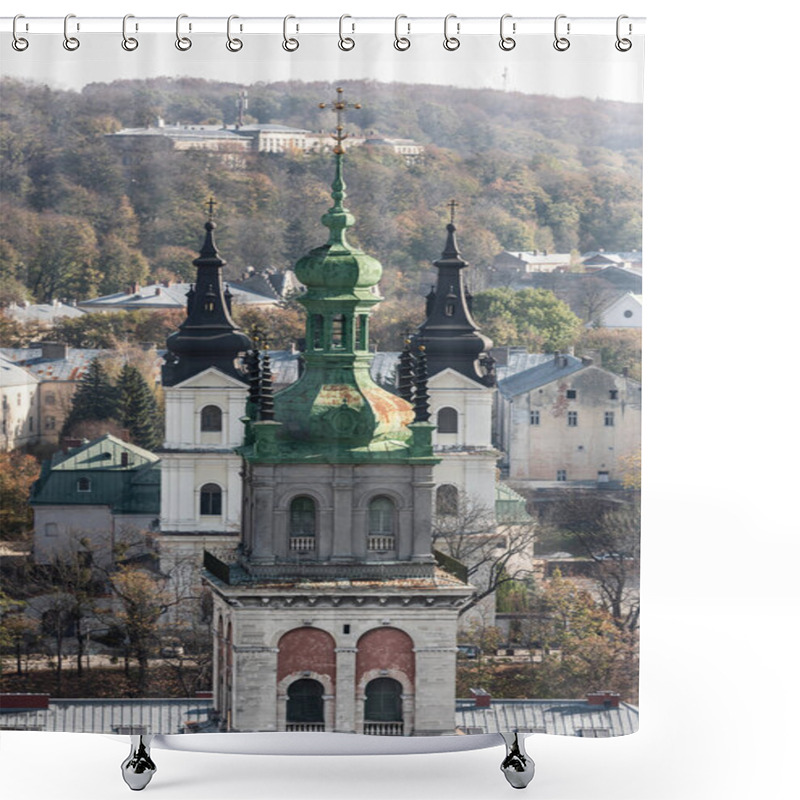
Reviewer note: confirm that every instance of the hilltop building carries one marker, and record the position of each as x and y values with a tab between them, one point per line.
334	614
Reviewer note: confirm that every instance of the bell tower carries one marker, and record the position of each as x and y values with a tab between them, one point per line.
335	615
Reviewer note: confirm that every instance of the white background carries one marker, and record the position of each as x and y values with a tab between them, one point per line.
720	621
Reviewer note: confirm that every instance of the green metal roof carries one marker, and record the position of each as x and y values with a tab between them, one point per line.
107	472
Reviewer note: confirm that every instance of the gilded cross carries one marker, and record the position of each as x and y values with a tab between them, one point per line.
453	206
340	105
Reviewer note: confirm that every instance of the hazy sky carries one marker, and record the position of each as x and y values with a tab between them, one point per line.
590	68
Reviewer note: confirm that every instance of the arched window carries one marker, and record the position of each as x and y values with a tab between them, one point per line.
381	524
381	517
304	702
302	517
447	420
447	500
211	419
210	500
384	701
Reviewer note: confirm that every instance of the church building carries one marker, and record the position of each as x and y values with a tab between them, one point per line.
335	615
462	389
205	391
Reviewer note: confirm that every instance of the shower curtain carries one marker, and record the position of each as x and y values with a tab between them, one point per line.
322	345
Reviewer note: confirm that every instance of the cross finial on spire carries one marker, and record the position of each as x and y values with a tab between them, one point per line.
453	205
210	203
340	105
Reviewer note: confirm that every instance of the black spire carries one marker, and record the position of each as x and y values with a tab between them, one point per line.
452	338
405	372
208	337
422	411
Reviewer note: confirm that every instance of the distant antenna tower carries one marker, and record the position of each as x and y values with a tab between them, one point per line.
505	79
241	105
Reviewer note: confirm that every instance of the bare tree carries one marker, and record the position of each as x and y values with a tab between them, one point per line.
494	553
607	531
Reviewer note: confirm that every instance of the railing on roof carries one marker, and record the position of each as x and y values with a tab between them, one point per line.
452	565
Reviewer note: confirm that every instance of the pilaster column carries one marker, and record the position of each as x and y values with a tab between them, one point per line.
346	689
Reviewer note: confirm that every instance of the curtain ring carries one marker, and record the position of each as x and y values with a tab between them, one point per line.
561	43
345	42
183	43
128	42
506	42
19	43
623	45
234	45
451	42
70	42
401	42
289	44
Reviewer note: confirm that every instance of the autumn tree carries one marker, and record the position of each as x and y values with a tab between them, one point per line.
581	647
607	532
142	600
18	471
620	349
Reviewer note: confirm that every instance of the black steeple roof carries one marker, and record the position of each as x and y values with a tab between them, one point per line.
449	334
208	337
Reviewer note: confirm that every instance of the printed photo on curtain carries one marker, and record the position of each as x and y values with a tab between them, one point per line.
321	380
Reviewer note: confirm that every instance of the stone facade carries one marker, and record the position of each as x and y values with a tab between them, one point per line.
568	422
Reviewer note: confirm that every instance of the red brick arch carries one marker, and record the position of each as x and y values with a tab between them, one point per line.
385	649
306	650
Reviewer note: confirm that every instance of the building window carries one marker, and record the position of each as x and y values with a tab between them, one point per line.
561	475
572	419
609	419
123	459
613	394
316	331
30	424
84	485
363	328
627	313
384	701
51	529
303	517
338	332
447	420
304	704
447	500
211	419
49	399
572	394
381	524
534	417
49	423
210	500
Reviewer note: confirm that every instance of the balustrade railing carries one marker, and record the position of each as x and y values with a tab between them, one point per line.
380	543
306	727
383	728
302	544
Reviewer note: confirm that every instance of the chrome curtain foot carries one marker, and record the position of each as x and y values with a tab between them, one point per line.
138	768
517	766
